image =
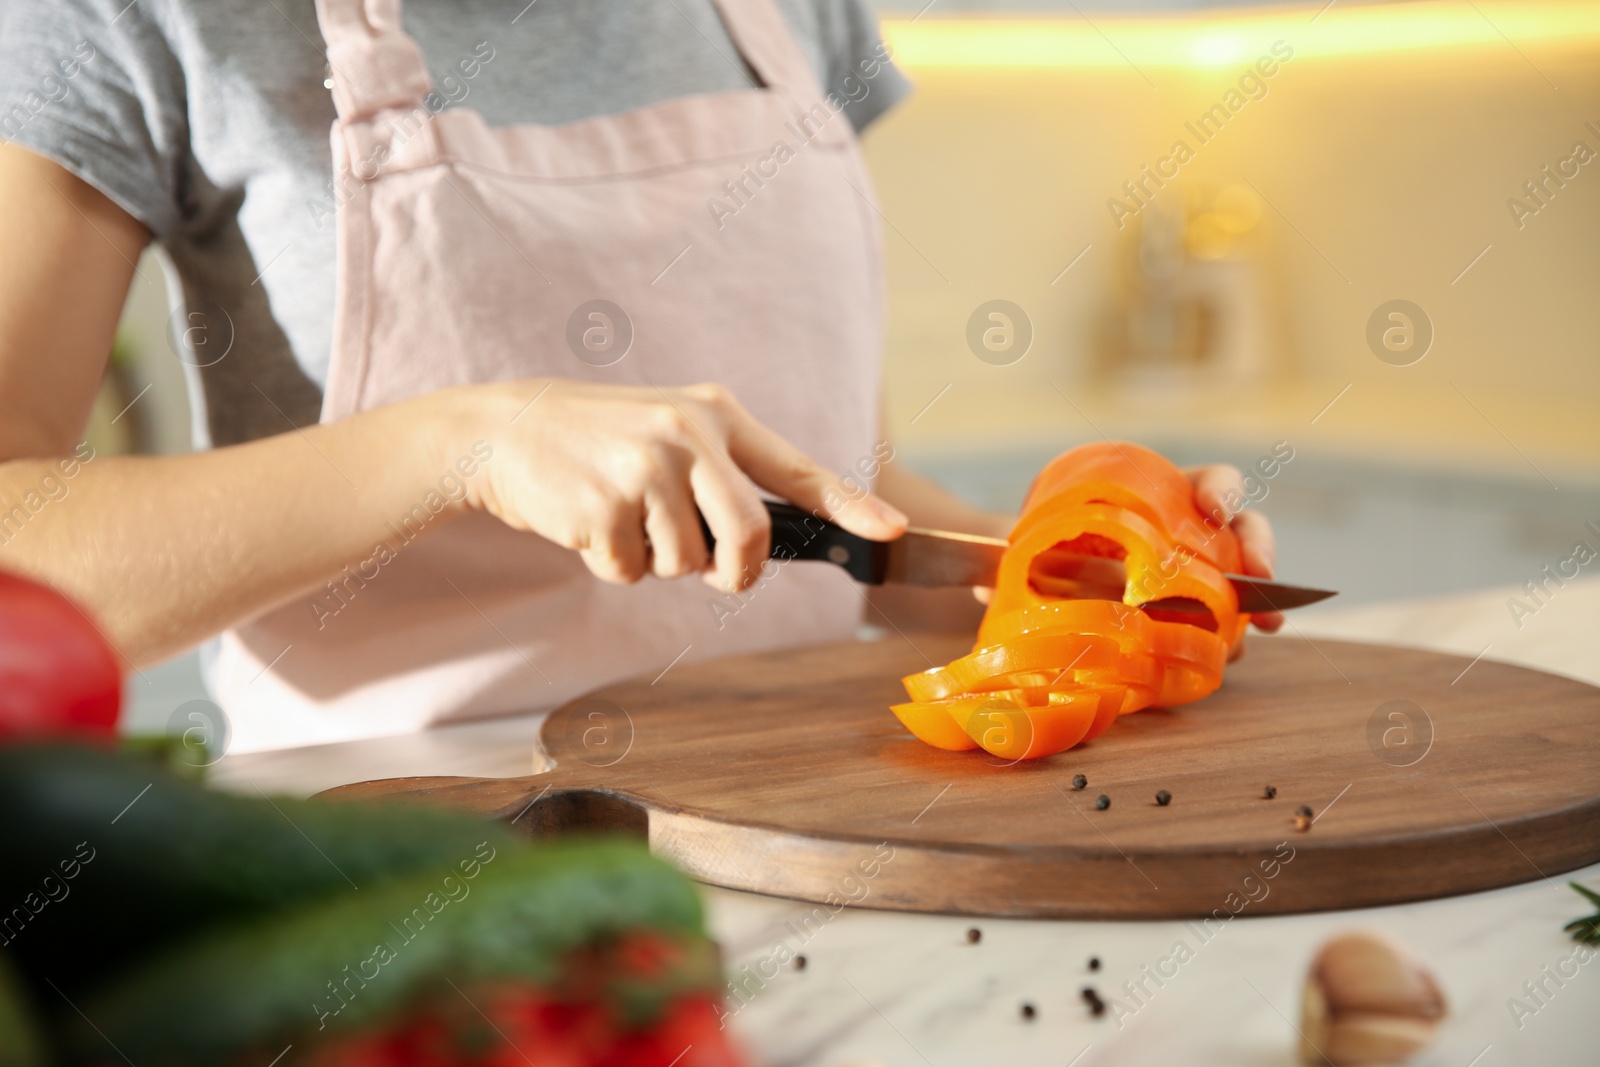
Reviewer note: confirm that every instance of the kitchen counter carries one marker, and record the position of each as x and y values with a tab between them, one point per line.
889	988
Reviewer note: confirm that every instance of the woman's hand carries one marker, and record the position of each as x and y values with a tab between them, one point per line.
1214	486
622	475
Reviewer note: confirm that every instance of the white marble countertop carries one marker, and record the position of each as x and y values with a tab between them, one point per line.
897	989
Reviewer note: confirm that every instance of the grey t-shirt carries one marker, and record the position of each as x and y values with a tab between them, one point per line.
208	121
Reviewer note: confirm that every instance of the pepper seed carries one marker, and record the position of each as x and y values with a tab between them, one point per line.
1304	809
1097	1007
1302	823
1079	781
1028	1010
1270	792
1102	802
974	935
1094	963
799	963
1163	797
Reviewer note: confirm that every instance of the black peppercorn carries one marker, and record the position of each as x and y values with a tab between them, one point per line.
1097	1007
1304	809
1271	791
1163	797
799	963
1028	1010
1079	781
1102	802
1094	963
974	935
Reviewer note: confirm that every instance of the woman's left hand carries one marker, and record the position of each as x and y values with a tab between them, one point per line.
1214	486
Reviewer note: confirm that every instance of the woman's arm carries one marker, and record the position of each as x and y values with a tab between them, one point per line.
165	551
69	256
162	551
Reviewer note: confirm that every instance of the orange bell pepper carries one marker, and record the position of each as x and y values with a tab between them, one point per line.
1051	670
1133	477
1033	660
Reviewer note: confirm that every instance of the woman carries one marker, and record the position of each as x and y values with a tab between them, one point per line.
468	369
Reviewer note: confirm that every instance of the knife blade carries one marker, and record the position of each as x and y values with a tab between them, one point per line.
935	558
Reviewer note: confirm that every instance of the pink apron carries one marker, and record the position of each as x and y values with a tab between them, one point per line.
734	232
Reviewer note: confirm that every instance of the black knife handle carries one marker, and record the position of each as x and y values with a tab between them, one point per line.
799	535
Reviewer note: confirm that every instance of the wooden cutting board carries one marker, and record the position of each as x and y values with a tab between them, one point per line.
785	773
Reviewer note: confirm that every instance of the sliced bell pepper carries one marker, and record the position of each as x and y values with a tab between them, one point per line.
1052	669
1015	731
1134	477
1046	656
1157	567
930	721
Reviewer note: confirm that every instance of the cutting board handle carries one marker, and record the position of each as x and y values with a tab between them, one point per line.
539	806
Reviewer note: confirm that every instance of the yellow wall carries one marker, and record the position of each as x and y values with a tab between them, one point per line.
1391	143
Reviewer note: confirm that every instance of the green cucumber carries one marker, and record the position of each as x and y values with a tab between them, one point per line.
339	964
19	1039
108	857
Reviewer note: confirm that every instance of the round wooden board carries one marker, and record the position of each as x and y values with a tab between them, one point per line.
786	774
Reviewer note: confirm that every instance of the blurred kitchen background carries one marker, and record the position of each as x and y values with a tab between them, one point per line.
1216	301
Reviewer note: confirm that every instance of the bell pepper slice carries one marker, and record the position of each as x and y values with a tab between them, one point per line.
1005	729
1139	669
1192	661
932	723
1156	567
1112	701
1129	627
1048	656
1014	724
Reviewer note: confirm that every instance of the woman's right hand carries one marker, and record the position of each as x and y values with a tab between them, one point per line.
622	474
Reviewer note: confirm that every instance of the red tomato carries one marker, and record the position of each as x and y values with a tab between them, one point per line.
57	673
519	1022
689	1035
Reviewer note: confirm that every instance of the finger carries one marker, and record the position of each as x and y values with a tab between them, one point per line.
739	522
1218	491
672	523
781	468
1258	547
1268	622
617	551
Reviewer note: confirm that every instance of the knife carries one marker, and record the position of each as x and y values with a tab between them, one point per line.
936	558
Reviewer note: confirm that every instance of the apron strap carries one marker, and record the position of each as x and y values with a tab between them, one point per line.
375	65
764	38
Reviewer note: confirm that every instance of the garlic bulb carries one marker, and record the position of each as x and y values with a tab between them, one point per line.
1367	1001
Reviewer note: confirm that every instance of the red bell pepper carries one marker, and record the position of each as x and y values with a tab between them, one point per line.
58	674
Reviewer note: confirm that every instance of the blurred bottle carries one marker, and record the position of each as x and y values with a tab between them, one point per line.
1191	308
